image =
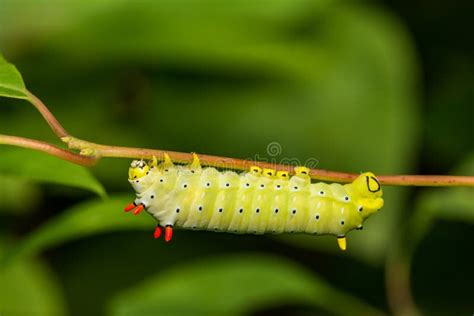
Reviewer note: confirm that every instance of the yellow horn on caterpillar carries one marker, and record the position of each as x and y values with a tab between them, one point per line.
302	172
195	164
269	173
341	241
167	162
153	162
283	175
256	170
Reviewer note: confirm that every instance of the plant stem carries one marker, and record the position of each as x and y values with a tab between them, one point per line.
92	152
399	295
47	148
57	128
98	151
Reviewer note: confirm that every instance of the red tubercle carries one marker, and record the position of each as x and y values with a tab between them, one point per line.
129	207
168	233
157	232
138	209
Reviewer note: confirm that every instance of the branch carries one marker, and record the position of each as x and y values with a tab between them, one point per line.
47	148
99	151
92	152
397	283
47	115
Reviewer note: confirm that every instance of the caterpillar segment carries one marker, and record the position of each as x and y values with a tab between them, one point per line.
258	201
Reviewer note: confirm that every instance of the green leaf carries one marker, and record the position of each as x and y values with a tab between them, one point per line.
11	189
41	167
456	204
92	217
29	288
234	286
11	83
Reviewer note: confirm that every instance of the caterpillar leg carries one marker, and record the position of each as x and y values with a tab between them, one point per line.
138	209
168	232
341	241
157	232
130	207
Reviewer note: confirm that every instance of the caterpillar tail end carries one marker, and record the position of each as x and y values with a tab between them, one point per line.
341	241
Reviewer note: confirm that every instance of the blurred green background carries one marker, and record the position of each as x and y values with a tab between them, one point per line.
358	86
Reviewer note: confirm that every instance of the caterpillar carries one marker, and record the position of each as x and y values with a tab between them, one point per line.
256	202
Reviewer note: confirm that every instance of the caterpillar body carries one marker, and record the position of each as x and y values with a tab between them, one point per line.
256	202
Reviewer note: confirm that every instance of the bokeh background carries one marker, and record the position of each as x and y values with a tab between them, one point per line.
381	86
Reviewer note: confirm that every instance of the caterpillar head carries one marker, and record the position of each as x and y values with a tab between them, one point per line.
138	169
142	174
369	192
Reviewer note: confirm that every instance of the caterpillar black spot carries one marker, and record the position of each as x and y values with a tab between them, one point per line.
258	201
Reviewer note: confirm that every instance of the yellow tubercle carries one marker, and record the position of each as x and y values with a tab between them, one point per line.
195	164
341	241
256	170
302	172
283	175
167	162
153	162
269	173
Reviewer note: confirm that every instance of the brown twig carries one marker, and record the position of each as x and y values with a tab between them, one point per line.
47	148
397	282
98	150
47	115
92	152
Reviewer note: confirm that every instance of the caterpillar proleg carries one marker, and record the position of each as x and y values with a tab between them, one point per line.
254	202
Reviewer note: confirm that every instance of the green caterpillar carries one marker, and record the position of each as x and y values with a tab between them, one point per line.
255	202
